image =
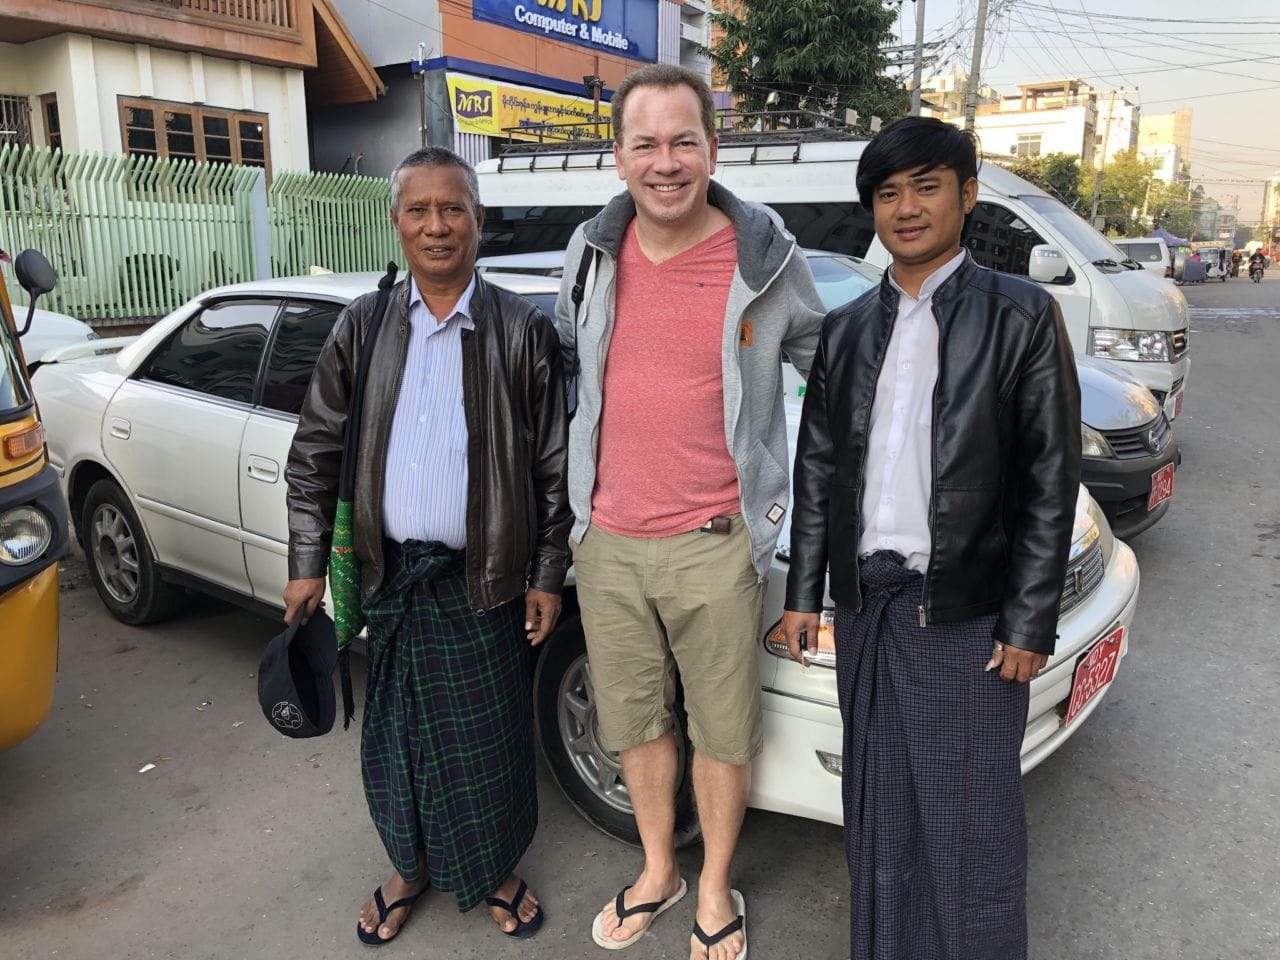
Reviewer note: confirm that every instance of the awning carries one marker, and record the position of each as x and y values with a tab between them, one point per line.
342	73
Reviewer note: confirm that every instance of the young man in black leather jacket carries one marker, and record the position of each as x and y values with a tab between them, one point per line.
936	472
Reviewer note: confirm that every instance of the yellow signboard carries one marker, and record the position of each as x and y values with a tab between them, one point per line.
497	109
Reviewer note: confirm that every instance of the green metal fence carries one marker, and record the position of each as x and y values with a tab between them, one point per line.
130	236
335	221
134	237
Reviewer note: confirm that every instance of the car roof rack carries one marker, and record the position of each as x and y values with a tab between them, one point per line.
571	140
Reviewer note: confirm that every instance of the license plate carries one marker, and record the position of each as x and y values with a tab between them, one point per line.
1161	487
1094	670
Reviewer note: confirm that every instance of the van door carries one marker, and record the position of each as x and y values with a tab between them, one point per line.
301	331
1001	239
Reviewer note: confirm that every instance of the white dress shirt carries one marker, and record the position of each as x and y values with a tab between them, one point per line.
425	489
899	472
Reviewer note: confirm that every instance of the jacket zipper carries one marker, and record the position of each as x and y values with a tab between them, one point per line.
866	444
933	473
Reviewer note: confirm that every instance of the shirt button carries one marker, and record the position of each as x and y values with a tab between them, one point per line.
413	466
422	419
906	366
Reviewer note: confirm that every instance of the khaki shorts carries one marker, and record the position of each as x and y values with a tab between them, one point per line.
691	602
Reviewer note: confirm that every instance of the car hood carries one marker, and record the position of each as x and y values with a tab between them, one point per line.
50	330
1111	399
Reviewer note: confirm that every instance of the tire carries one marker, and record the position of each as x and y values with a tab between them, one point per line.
120	562
591	776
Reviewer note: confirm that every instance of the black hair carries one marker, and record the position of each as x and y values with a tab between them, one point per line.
916	143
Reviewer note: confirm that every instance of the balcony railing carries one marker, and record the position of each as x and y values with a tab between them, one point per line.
264	13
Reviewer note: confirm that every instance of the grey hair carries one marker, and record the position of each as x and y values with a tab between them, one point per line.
436	157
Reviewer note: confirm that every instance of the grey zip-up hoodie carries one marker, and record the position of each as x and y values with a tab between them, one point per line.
772	290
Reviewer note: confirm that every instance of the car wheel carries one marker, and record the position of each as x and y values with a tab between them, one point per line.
120	562
569	738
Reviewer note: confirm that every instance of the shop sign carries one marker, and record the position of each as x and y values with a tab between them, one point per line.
493	108
628	28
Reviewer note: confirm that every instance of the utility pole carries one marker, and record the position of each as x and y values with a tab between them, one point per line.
1102	161
917	72
975	67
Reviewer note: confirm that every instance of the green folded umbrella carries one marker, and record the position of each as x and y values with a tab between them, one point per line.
344	565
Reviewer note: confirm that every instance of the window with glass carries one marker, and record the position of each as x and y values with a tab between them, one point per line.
1029	144
218	351
52	121
187	132
303	329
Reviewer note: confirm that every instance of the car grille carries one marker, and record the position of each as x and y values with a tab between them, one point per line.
1179	343
1148	440
1083	576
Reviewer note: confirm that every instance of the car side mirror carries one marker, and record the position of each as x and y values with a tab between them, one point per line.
35	273
1048	265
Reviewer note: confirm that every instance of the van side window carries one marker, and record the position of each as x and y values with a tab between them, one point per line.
845	228
510	230
999	239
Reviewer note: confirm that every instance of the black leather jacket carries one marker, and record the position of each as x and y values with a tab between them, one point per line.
513	394
1006	455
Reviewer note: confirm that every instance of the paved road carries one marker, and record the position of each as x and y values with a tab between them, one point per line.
1154	831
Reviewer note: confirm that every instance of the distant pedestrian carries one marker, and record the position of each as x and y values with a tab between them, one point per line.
936	474
461	524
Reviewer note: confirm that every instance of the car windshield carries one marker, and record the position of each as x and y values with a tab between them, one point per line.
13	384
841	279
1091	245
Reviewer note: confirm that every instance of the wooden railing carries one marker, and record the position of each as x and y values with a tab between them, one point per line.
265	13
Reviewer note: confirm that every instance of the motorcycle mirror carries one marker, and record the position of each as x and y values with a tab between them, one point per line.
34	273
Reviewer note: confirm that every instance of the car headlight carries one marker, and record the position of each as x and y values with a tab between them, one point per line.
25	533
1093	443
1141	345
1105	536
821	654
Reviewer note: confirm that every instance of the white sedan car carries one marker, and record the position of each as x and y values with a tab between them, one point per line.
172	451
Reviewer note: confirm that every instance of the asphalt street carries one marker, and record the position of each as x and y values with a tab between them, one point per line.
1154	832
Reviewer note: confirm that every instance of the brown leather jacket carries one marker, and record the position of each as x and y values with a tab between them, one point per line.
513	394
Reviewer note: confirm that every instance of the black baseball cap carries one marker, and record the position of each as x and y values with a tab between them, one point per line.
295	677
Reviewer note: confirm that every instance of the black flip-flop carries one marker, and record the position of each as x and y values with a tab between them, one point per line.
524	928
732	927
371	939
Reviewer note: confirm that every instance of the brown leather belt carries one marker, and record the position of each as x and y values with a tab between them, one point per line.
716	525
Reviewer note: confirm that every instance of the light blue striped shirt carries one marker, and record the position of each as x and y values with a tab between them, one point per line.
425	492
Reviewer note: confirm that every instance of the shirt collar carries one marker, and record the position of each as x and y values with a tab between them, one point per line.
461	309
934	280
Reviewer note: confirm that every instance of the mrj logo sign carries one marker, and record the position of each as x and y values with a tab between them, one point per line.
472	104
625	27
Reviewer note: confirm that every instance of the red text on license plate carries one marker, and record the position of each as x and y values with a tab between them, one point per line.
1094	671
1161	486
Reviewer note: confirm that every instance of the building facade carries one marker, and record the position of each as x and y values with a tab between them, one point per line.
195	79
1166	159
1167	129
475	74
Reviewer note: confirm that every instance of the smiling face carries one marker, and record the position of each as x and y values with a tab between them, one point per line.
665	156
439	225
919	215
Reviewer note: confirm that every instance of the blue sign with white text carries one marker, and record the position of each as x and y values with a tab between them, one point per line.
626	28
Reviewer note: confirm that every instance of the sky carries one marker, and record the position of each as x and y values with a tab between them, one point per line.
1163	54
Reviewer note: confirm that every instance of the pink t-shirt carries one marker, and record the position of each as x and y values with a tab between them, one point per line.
664	465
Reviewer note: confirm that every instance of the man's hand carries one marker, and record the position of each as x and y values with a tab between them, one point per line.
541	611
307	593
794	624
1014	663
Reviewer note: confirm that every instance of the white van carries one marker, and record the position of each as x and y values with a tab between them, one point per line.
1152	252
534	199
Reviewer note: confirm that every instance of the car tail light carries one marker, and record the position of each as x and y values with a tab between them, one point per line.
24	442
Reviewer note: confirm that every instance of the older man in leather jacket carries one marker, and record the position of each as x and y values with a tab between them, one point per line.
461	523
937	470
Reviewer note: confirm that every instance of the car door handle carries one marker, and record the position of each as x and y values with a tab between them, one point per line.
120	428
260	468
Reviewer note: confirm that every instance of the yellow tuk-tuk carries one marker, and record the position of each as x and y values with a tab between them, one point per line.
33	528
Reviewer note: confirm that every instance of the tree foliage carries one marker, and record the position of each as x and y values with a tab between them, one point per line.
1123	194
1175	207
1057	174
819	56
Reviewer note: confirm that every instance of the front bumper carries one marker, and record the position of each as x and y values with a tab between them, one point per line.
1122	487
802	716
